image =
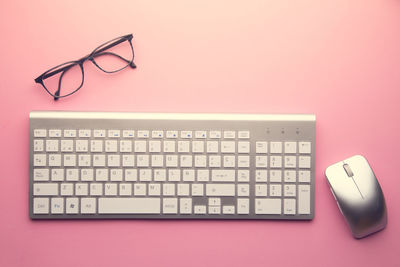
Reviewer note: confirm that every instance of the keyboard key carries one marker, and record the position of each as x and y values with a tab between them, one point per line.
304	176
125	189
275	161
243	206
55	133
40	205
290	161
40	174
289	176
84	133
261	161
140	146
96	189
96	146
69	133
201	134
229	161
214	210
57	205
203	175
200	209
72	205
212	147
214	161
304	199
261	147
289	190
197	189
168	189
157	134
243	175
128	133
244	147
88	205
198	146
183	189
290	147
125	146
110	189
220	189
305	147
143	134
275	176
143	160
289	206
223	175
81	189
67	189
172	134
243	161
215	134
170	205
228	147
45	189
275	190
276	147
82	145
39	133
243	134
186	134
155	146
268	205
261	190
99	133
243	190
169	146
183	146
38	145
57	175
154	190
129	205
51	145
139	189
185	206
261	176
229	134
305	162
228	209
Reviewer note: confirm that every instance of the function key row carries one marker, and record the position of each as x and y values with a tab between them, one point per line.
283	147
101	133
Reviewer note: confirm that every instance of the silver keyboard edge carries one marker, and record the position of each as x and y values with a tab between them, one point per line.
170	116
309	118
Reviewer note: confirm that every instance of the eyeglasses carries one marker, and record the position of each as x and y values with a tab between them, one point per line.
67	78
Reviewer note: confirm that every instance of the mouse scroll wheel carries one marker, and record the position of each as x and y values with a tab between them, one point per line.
348	170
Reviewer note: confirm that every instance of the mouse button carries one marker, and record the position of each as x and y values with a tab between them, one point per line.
348	170
366	181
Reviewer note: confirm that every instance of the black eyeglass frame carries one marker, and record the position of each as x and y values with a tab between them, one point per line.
99	51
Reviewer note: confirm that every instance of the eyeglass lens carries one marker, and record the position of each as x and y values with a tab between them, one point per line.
114	58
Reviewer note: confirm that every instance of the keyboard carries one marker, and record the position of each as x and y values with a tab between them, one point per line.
109	165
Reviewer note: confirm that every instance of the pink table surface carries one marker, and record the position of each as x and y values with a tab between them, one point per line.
337	59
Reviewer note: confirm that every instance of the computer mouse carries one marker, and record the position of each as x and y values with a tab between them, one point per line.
358	195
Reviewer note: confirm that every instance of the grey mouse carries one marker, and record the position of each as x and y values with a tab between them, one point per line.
358	195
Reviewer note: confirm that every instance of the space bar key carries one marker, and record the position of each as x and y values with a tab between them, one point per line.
129	205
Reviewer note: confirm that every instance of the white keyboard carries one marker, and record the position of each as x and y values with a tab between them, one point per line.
98	165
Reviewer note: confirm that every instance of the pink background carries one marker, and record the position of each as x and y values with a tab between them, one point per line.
338	59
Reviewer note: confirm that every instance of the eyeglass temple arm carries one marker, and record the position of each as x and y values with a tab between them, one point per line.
112	44
57	71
